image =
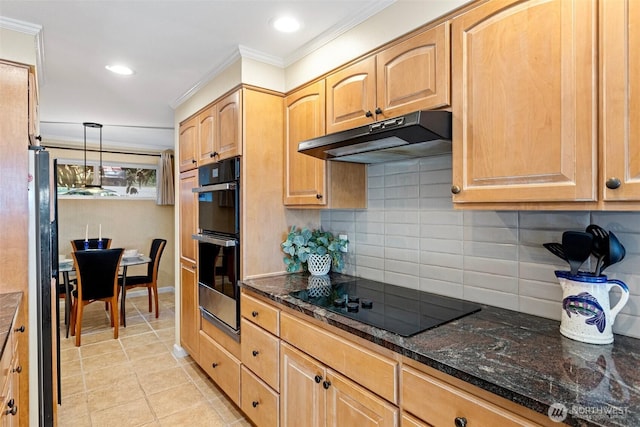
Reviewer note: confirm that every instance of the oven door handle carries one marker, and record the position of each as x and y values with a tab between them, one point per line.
215	187
220	241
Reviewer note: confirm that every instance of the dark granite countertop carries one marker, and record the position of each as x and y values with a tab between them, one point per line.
8	305
520	357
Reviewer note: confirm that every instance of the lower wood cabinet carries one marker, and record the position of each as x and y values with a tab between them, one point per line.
407	420
221	366
11	409
449	405
315	396
259	402
260	353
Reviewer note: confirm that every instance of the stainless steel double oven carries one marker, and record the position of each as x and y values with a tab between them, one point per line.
219	244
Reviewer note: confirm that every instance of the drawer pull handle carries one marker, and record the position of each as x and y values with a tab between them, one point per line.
20	329
255	353
317	379
214	365
460	422
255	403
613	183
11	403
17	369
12	411
326	385
254	313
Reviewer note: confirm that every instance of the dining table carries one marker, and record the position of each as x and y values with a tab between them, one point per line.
67	266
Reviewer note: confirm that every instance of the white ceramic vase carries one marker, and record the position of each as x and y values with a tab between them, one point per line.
319	265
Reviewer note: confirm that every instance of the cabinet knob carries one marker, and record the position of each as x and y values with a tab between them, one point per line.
613	183
255	353
193	161
12	411
455	189
39	138
214	365
378	110
317	379
318	196
368	114
326	385
255	403
17	369
254	313
20	329
11	403
460	422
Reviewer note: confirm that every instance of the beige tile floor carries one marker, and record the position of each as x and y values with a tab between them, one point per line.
136	380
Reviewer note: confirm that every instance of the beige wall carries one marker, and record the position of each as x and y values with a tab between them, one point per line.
132	224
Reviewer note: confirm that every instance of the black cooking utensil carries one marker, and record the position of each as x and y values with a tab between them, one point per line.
616	252
556	249
600	245
577	248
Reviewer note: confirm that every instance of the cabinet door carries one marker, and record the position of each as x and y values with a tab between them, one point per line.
524	102
188	214
351	96
351	405
229	110
188	140
620	107
207	136
189	310
415	74
302	396
304	176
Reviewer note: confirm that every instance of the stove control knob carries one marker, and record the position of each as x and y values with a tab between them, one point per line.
366	303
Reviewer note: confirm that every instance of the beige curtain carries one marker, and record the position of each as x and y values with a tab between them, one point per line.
166	194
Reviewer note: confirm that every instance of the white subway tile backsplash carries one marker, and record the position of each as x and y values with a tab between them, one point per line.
491	297
410	235
443	246
450	289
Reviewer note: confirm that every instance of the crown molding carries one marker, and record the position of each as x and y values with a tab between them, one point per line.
337	30
205	79
246	52
34	30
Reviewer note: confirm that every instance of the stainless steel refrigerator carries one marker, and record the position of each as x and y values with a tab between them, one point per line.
43	324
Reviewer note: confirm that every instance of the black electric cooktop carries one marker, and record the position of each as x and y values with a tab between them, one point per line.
403	311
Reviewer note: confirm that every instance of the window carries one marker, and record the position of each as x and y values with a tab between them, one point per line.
134	181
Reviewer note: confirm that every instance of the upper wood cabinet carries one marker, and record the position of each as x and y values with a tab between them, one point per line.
220	129
229	126
188	143
409	76
304	180
188	214
207	137
312	182
524	102
620	106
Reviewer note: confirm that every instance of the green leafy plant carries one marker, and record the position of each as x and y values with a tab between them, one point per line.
301	243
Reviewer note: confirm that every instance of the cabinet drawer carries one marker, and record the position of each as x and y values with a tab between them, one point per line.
439	403
373	371
259	402
261	353
221	366
261	314
409	421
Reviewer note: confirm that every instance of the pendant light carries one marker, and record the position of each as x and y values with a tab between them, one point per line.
92	189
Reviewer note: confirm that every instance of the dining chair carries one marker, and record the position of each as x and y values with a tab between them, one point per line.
150	280
78	244
97	276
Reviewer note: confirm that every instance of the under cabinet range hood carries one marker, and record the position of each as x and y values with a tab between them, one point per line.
418	134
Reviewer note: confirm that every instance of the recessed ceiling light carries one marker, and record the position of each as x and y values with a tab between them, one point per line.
286	24
120	69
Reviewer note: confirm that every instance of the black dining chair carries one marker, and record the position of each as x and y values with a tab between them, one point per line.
97	280
149	281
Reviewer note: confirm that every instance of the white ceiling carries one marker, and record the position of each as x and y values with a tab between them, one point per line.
172	46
